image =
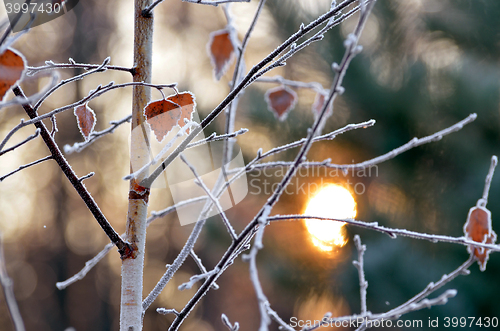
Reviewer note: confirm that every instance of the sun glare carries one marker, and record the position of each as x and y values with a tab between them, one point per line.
333	201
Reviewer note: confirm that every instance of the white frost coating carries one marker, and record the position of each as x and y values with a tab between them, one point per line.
262	223
131	293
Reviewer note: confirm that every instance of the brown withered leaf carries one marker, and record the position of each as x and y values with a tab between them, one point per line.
85	117
319	102
163	115
12	66
280	100
478	228
220	48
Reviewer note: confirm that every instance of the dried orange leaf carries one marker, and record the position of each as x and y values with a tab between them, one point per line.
221	51
280	100
12	66
163	115
478	228
319	103
85	118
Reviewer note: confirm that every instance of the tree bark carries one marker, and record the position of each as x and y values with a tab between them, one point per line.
132	267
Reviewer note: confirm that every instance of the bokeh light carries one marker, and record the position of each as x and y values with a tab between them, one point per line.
333	201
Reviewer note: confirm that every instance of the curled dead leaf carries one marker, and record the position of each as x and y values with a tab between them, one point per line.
163	115
280	100
85	117
319	103
12	67
478	228
220	48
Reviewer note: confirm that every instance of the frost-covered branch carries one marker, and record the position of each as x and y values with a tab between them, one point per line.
31	137
315	86
264	304
101	68
419	301
379	159
363	284
24	166
351	50
391	232
227	323
489	177
200	183
34	97
215	137
154	215
243	83
95	135
51	65
200	265
196	278
123	247
100	90
8	293
88	266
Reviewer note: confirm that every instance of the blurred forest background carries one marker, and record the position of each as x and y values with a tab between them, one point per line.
426	64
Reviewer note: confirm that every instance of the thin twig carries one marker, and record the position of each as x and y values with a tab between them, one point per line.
101	68
95	135
24	166
230	97
100	90
88	266
33	136
34	97
489	177
363	284
377	160
413	303
123	247
391	232
250	229
92	262
50	65
215	137
200	265
8	293
315	86
200	183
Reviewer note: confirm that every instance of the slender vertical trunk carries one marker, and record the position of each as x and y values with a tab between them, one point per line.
132	268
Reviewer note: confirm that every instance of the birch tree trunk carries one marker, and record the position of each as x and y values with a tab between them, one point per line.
132	267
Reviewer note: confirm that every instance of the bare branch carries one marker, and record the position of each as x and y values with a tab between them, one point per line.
26	166
363	284
489	177
100	90
315	86
417	302
154	215
351	50
379	159
230	97
8	293
200	265
95	135
230	326
215	137
215	201
391	232
88	266
33	136
123	247
50	65
101	68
